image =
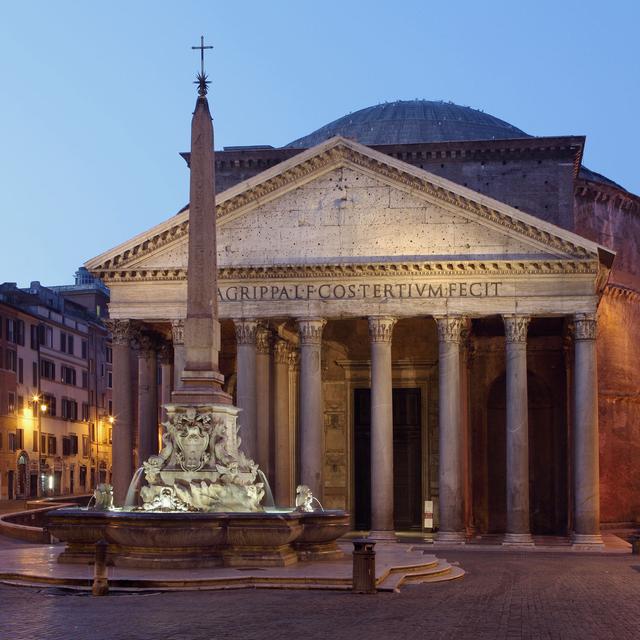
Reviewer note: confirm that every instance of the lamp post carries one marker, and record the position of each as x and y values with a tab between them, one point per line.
39	408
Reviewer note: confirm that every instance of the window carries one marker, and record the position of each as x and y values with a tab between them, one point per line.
85	446
48	337
110	407
12	402
73	438
91	367
109	355
1	442
63	342
11	330
83	347
102	370
67	375
20	403
92	431
109	379
48	369
34	336
43	443
20	332
20	438
85	412
51	445
50	402
69	409
66	446
35	441
11	358
12	442
20	370
70	348
34	374
85	379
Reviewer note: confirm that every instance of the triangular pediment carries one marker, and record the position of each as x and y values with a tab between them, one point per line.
343	203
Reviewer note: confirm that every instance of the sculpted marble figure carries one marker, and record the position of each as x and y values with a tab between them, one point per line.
202	466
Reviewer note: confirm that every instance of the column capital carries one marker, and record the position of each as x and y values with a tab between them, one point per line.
281	351
177	331
294	359
121	331
584	326
147	344
263	340
381	328
450	328
515	327
245	330
310	330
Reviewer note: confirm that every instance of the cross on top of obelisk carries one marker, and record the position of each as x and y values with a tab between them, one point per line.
202	81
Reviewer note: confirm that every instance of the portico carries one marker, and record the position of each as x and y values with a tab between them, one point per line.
341	270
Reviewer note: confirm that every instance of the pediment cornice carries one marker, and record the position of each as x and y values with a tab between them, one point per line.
368	270
340	152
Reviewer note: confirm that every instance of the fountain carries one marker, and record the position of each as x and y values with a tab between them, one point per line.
201	501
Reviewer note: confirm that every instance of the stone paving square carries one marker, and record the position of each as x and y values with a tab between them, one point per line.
503	595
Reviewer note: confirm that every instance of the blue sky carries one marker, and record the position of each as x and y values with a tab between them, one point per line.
96	97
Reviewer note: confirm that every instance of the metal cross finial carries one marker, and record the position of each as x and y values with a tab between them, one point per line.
202	47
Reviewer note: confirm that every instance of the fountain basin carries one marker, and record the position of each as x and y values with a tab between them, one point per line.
198	539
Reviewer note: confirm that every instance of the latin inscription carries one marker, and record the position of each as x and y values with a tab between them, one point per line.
331	291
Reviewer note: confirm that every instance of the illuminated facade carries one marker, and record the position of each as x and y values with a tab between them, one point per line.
423	310
56	435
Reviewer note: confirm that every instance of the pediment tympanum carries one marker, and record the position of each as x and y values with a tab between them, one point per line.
343	203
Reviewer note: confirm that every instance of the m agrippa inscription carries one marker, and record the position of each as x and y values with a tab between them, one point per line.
357	291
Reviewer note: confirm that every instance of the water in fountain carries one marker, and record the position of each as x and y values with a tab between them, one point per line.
269	502
130	500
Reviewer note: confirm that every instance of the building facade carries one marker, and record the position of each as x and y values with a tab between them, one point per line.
425	316
56	433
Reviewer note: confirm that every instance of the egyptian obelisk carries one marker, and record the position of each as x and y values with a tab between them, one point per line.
201	378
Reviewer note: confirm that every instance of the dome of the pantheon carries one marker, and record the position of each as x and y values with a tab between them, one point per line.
412	121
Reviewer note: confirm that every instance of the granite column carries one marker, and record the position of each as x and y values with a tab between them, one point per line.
246	384
311	411
380	332
283	488
517	437
586	468
122	434
147	398
450	469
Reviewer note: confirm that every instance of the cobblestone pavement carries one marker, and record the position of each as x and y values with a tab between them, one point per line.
503	595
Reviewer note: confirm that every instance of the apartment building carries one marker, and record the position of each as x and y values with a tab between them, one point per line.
55	389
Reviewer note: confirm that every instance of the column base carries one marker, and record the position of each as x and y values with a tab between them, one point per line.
517	540
383	536
450	537
587	541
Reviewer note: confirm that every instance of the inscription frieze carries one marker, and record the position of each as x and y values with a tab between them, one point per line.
358	291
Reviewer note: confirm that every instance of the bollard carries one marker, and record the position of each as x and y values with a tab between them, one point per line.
364	566
635	544
100	579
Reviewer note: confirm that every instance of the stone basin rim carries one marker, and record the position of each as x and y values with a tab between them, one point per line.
196	515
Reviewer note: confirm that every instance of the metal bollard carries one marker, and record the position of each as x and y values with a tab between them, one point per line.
635	544
100	580
364	566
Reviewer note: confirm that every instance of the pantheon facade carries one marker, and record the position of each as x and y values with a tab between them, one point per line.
428	316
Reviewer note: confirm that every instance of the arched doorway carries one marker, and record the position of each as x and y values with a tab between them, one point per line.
547	456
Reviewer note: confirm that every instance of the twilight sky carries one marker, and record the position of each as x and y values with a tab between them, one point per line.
96	97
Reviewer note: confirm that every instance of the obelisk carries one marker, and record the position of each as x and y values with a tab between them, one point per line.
201	378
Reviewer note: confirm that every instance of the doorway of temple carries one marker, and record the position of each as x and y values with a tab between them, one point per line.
407	458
